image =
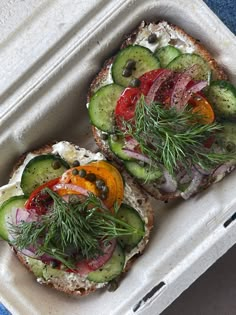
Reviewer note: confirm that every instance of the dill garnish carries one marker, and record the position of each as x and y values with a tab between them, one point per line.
69	231
174	138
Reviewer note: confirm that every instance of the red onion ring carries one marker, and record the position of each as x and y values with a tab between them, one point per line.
137	156
131	144
160	79
177	96
193	186
170	184
88	265
76	188
194	89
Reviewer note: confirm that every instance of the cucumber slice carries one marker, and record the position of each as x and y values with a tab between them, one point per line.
116	144
144	173
111	269
144	62
6	211
167	54
40	170
132	217
222	96
102	105
185	61
227	138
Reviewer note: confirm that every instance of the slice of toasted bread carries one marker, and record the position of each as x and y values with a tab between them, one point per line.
61	280
168	34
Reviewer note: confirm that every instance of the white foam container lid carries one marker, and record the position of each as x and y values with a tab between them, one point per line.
50	51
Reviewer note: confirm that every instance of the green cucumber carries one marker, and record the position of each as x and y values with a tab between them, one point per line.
227	139
167	54
40	170
102	105
6	211
132	217
185	61
144	173
143	60
222	96
111	269
116	144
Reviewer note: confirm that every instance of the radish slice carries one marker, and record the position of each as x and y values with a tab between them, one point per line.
137	156
160	79
177	97
194	89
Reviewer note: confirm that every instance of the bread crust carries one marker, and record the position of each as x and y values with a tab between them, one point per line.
218	74
144	208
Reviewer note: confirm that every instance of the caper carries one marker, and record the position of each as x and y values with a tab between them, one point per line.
100	183
141	163
103	196
91	177
130	64
115	137
112	285
152	38
74	199
135	82
76	163
75	172
230	147
127	72
82	173
54	264
56	164
105	189
104	136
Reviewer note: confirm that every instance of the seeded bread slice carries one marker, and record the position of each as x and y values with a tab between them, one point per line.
72	283
168	34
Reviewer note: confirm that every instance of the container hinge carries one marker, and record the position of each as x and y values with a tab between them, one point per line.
149	295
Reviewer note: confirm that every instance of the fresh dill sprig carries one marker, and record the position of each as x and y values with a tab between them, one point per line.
69	230
174	138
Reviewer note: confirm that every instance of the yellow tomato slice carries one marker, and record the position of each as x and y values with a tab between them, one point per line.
202	107
103	171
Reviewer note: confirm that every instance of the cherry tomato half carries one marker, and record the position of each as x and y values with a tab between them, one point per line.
201	106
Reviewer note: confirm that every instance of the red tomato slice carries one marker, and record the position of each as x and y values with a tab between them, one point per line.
38	200
147	80
126	104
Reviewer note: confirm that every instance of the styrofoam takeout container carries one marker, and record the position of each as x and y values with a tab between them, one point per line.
50	51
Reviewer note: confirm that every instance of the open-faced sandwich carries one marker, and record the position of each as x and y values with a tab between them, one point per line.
72	219
163	109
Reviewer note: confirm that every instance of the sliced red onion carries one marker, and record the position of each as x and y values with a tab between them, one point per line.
177	96
73	187
222	170
131	144
21	215
197	87
202	170
193	186
137	156
29	253
160	79
86	266
170	184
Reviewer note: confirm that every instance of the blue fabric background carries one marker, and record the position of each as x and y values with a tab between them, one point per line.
226	11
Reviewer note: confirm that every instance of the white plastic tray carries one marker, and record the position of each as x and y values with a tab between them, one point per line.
50	51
